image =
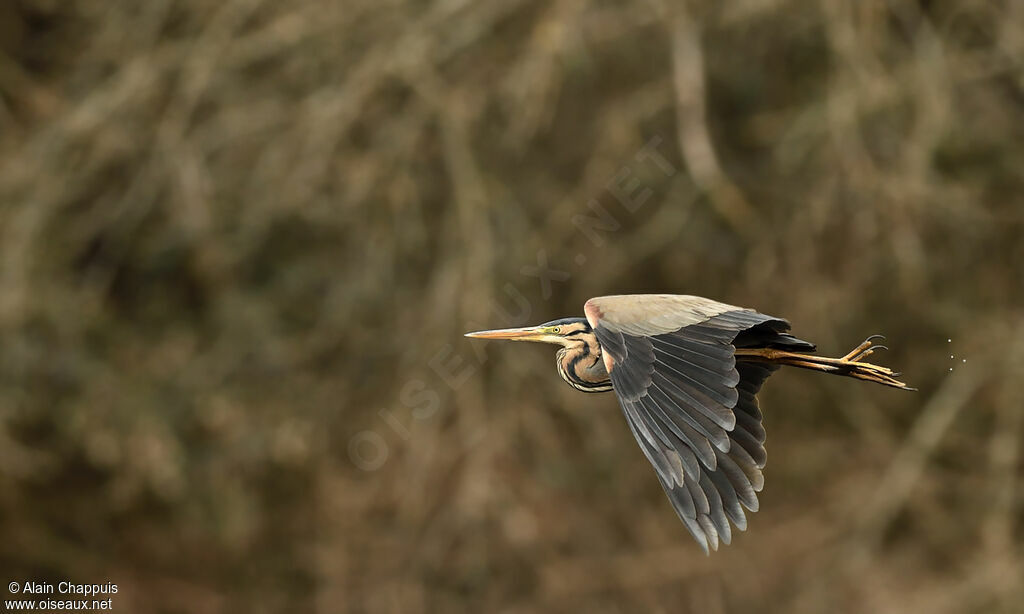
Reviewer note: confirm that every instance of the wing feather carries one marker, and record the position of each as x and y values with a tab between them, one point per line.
688	436
707	356
739	483
655	453
730	498
750	424
686	396
719	390
673	412
723	377
690	404
717	512
752	446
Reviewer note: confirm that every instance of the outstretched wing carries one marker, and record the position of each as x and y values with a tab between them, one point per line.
690	405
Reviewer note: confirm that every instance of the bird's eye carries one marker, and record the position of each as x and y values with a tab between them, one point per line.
556	329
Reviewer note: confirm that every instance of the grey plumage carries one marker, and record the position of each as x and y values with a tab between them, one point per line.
682	386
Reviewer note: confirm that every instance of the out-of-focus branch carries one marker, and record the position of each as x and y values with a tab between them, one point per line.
1004	452
692	124
908	467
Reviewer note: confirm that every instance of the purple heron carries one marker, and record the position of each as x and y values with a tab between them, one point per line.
686	371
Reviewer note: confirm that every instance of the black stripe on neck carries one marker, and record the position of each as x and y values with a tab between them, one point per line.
568	373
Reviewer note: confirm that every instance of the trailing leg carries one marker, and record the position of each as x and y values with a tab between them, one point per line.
850	365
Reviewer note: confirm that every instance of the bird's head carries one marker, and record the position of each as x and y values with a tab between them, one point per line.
566	332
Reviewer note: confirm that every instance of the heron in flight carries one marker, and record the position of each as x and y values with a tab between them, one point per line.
686	371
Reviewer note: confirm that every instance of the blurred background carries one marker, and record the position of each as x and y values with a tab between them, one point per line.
240	241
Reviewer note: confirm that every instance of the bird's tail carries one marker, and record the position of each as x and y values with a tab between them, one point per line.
850	365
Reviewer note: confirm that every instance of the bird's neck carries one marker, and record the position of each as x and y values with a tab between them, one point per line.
581	367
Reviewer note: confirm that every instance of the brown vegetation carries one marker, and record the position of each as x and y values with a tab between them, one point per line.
240	240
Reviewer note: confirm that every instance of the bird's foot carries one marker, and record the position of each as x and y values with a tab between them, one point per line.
853	364
866	348
855	356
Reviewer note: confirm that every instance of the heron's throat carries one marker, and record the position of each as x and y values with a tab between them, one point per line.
581	367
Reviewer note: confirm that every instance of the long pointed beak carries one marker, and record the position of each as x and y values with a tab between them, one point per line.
530	333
